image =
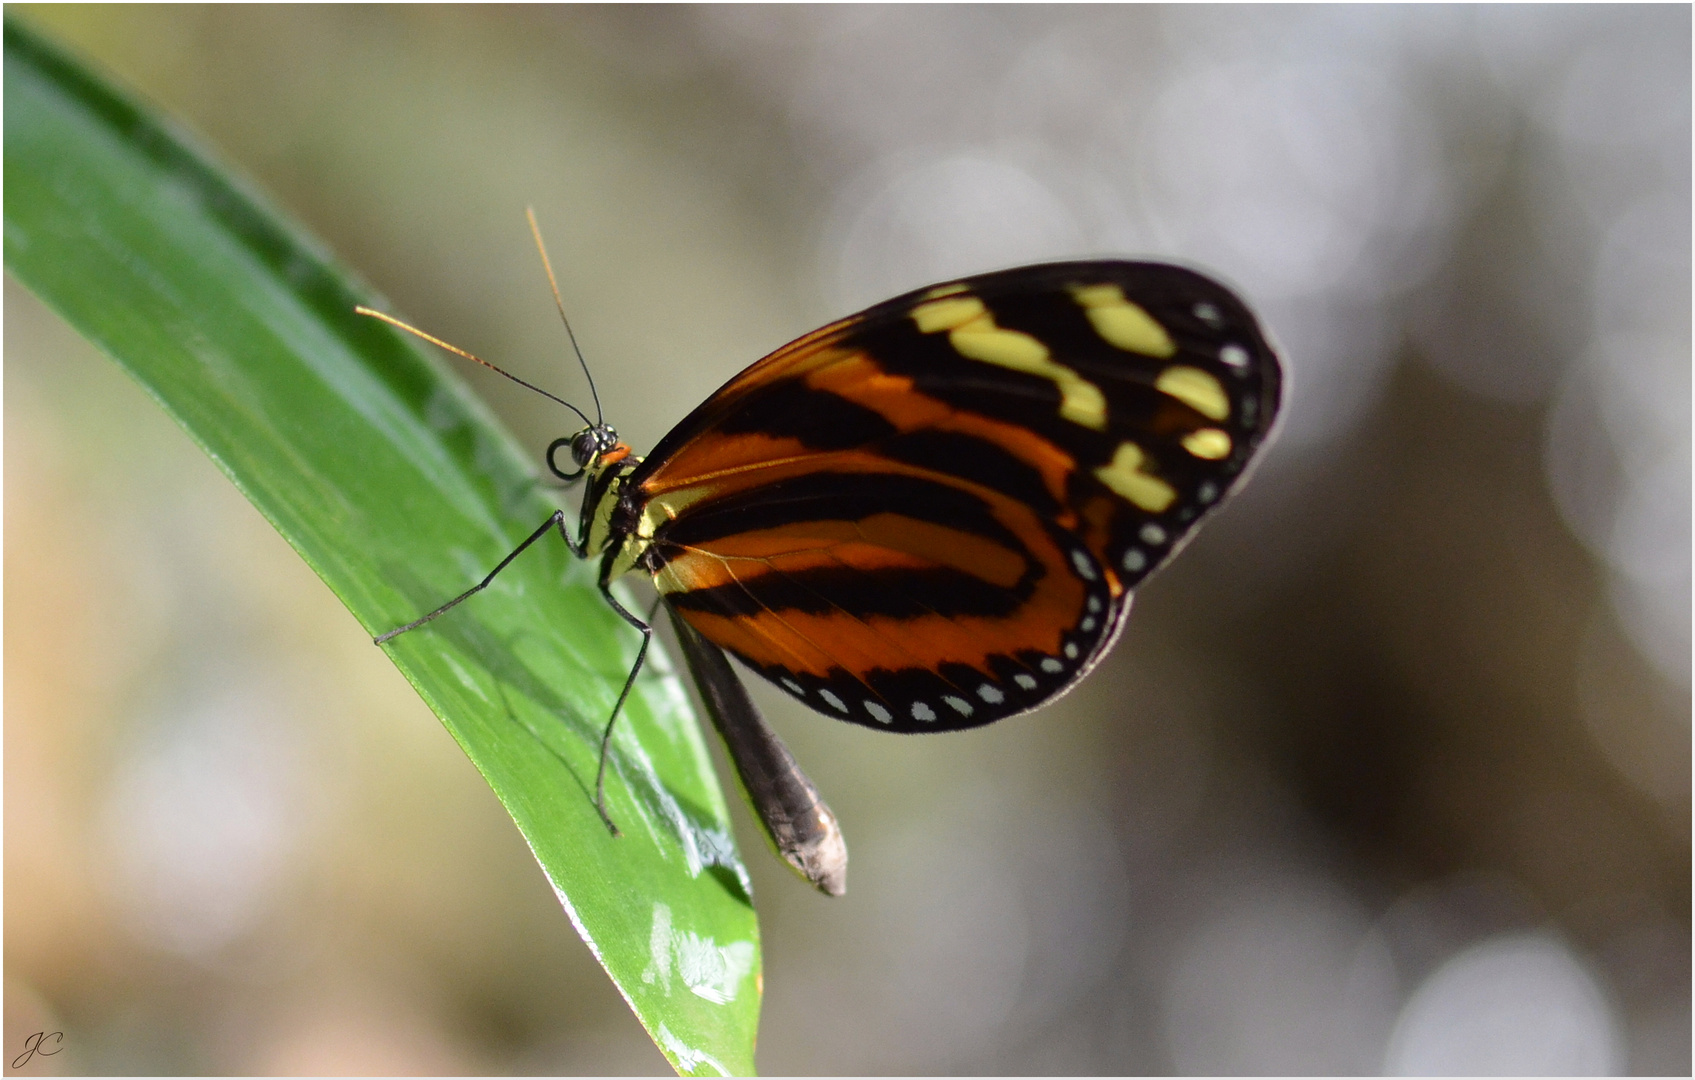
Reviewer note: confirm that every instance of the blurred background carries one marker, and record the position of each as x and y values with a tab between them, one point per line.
1390	772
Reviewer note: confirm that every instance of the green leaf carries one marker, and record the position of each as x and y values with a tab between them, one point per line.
400	490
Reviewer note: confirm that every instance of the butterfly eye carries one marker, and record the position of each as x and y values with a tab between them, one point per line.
585	446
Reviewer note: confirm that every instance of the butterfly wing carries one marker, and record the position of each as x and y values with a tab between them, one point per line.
931	515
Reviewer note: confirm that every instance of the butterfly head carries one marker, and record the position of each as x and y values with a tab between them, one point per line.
592	449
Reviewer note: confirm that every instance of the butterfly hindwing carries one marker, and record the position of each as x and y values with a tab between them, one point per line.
930	515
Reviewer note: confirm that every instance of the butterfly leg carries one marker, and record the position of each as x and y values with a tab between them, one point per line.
557	521
629	684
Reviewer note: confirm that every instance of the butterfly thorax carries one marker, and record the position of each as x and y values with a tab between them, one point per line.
603	525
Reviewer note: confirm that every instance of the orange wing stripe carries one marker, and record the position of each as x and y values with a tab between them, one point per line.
882	541
860	380
817	644
727	463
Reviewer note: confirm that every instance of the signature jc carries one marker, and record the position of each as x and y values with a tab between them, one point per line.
32	1047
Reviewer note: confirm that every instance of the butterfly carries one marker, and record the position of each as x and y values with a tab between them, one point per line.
928	516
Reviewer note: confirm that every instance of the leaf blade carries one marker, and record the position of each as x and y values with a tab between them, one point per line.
397	487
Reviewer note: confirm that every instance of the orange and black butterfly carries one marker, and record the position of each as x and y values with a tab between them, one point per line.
930	515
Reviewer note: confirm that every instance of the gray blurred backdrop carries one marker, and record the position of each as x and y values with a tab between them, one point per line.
1391	771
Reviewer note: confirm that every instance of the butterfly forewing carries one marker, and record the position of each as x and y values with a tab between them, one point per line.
930	515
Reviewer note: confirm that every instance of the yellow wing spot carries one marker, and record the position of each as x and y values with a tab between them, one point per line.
972	332
981	339
663	508
1196	389
947	314
1208	443
946	290
1127	476
1123	323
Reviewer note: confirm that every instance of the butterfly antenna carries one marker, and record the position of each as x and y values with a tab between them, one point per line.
535	231
457	351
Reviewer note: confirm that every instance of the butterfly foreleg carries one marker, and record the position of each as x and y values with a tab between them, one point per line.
629	683
557	521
